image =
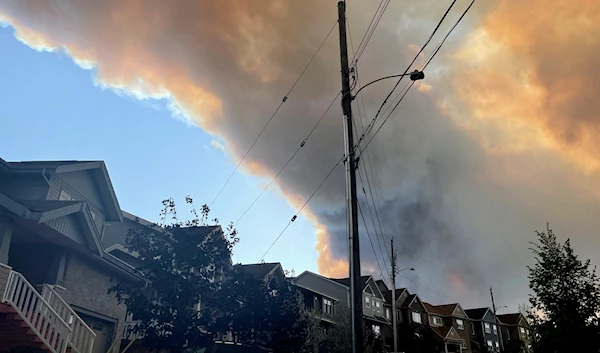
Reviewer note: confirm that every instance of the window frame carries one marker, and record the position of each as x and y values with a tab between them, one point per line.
416	314
460	324
497	345
490	344
327	303
435	321
487	327
388	314
367	302
377	306
495	328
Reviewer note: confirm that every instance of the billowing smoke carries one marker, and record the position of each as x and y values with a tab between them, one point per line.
498	140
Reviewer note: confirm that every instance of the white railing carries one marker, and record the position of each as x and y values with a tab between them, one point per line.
132	329
82	338
41	318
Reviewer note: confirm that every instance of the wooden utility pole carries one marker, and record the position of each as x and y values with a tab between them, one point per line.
496	321
350	164
394	327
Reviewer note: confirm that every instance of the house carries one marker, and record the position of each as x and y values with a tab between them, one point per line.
451	327
516	334
373	304
54	270
387	331
326	298
265	271
484	330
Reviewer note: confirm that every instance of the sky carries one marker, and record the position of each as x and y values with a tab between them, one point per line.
499	139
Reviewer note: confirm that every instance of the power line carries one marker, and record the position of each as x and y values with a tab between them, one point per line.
302	144
274	114
370	30
439	46
304	205
370	126
371	241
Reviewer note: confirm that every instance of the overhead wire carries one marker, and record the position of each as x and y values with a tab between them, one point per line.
369	165
371	124
303	206
371	240
285	98
302	144
362	46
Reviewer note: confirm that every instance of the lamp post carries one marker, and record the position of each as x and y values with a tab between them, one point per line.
394	314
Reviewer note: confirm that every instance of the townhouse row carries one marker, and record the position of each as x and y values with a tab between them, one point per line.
443	328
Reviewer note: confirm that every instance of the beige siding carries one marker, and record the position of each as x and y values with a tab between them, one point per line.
68	226
80	186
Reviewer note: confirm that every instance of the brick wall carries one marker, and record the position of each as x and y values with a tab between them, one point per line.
87	285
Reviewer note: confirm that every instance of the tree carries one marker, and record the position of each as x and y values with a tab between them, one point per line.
182	263
566	298
339	335
416	338
268	313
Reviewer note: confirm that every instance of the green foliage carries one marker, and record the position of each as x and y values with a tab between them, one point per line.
182	264
339	336
566	298
268	313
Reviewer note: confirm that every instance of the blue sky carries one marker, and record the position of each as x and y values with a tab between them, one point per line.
53	110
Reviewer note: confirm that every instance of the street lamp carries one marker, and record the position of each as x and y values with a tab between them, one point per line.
394	314
414	76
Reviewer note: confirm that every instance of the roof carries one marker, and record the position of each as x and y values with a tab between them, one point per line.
97	168
409	299
260	270
510	319
476	314
346	281
442	310
388	294
447	333
382	286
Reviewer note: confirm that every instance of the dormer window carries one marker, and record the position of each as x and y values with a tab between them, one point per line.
437	321
460	324
416	316
367	302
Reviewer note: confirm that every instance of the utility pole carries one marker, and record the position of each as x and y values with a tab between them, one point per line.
394	327
496	321
350	164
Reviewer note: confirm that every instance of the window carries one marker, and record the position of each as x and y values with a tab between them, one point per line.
327	306
376	330
490	345
497	346
64	196
437	321
460	324
463	344
495	330
488	329
387	313
416	317
367	302
378	306
522	330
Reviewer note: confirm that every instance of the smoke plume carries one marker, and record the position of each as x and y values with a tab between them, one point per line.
499	139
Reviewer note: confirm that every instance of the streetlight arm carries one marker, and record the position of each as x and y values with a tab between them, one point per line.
415	75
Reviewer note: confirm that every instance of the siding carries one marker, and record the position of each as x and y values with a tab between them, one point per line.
24	186
80	186
87	286
324	286
69	226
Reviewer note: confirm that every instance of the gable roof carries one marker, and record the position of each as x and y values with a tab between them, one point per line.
373	284
388	294
346	281
309	273
447	333
261	270
477	314
381	285
410	299
510	319
97	169
442	310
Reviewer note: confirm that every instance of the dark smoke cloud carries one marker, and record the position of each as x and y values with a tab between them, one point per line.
464	172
